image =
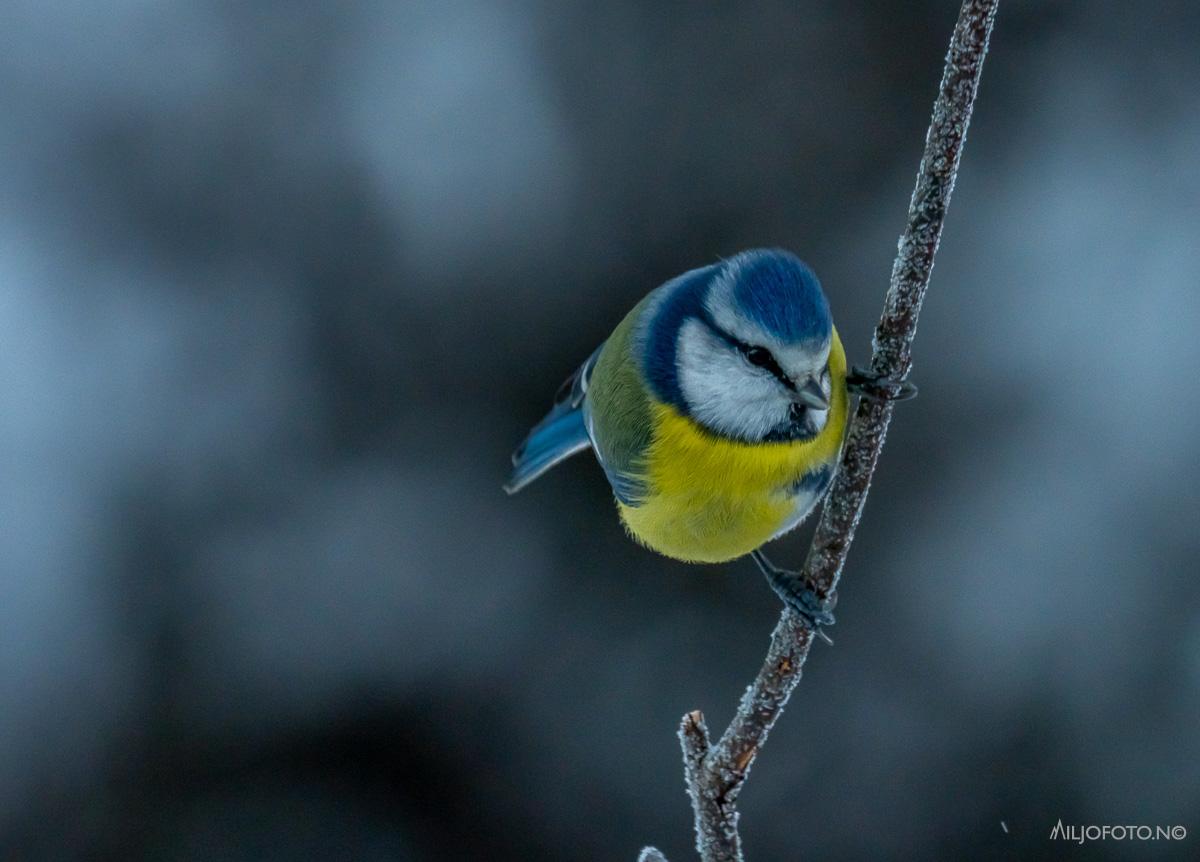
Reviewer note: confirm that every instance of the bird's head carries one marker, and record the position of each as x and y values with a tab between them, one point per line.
742	347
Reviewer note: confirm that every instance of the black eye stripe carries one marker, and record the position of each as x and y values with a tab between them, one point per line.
763	358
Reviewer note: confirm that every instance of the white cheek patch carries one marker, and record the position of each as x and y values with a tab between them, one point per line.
723	392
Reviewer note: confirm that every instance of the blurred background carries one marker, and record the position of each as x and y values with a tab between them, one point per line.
281	284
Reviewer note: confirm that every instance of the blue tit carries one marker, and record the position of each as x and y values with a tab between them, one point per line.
716	409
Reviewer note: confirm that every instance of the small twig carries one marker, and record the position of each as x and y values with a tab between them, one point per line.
718	825
715	774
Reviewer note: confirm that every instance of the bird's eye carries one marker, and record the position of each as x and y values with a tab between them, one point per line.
763	358
760	356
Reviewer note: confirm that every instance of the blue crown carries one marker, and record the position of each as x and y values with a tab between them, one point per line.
777	290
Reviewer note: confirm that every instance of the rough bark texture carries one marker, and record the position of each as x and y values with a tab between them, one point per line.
716	773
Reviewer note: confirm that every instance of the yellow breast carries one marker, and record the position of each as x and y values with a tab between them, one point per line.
712	499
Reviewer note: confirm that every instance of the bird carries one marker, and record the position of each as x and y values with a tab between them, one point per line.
716	410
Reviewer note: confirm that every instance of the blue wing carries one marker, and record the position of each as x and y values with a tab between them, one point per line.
562	432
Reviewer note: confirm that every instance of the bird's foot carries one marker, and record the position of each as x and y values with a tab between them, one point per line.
798	595
866	384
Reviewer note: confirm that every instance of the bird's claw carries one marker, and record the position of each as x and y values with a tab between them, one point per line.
798	596
866	384
812	610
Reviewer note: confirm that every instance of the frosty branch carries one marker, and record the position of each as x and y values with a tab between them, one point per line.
715	773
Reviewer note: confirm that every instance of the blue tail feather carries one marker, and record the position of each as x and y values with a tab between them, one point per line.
557	437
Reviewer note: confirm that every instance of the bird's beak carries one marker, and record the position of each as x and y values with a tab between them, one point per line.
810	394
